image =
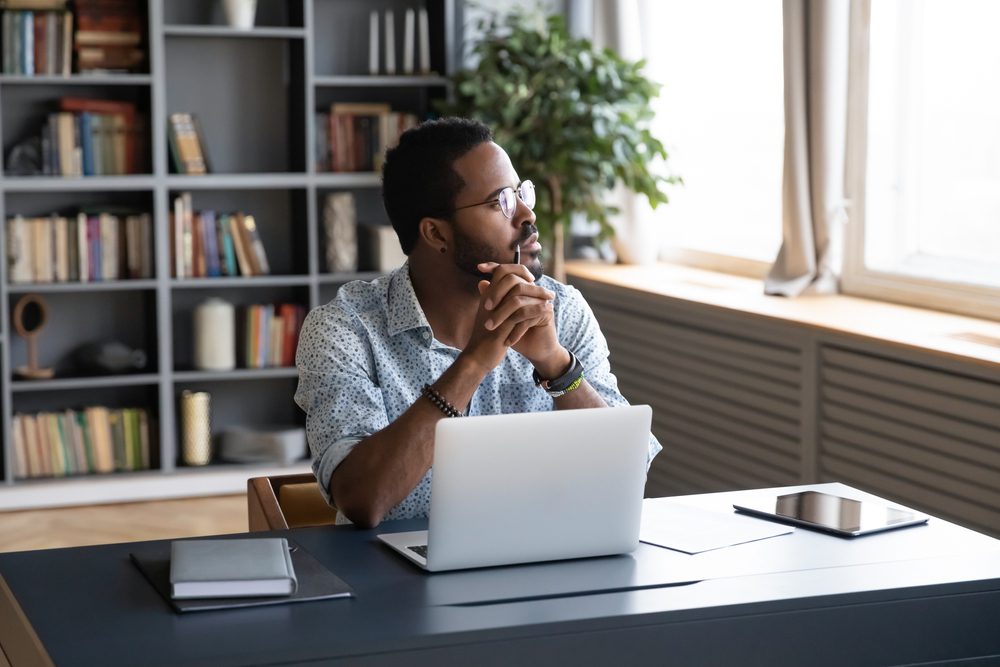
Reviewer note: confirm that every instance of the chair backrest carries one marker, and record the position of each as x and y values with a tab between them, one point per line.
286	501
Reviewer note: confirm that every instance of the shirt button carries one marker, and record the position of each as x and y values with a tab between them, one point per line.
427	335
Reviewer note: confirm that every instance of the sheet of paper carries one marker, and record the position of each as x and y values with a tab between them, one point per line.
694	530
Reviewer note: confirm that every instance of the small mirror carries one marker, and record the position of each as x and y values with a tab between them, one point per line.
31	314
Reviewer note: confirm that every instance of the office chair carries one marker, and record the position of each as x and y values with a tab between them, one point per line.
286	501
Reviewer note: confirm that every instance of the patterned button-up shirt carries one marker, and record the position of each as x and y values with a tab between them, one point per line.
364	357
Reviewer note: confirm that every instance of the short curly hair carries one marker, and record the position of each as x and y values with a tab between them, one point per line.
417	176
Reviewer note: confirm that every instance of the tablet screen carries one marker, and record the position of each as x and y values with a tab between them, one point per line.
834	513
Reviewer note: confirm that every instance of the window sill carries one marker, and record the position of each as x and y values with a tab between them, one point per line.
954	336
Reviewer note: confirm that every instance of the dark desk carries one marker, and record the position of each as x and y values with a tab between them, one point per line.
914	595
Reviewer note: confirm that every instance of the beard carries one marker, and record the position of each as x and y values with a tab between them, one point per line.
470	253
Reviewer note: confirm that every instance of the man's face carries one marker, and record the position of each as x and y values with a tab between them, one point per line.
484	233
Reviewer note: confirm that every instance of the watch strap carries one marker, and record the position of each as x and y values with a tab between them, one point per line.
565	383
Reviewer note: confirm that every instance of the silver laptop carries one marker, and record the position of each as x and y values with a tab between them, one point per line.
532	487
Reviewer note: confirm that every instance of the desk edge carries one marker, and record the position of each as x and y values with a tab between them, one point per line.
18	640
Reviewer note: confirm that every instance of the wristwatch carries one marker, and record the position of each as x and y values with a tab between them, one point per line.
565	383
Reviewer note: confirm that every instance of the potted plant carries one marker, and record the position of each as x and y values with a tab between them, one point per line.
574	119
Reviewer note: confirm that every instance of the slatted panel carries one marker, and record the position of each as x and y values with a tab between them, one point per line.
726	404
925	437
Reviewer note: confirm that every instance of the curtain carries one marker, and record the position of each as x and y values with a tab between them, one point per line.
813	204
617	26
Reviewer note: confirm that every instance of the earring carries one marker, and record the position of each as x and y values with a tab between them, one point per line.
443	250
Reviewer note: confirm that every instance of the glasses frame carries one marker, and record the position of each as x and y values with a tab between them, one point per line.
499	199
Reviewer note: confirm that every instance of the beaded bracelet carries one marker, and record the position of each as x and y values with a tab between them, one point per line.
439	401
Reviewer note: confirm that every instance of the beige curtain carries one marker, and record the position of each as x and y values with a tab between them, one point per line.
617	25
813	205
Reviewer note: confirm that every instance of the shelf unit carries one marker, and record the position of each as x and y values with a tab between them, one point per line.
256	93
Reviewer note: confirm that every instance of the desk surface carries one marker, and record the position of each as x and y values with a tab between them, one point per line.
917	594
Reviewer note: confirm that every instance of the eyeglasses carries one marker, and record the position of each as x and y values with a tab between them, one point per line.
508	200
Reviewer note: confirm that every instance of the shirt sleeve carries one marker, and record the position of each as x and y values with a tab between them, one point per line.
580	333
337	388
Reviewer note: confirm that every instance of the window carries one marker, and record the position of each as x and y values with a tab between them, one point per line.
927	186
720	114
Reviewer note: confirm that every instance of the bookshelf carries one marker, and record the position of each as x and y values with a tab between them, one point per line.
256	94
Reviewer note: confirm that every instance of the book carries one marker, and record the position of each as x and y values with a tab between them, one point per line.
390	43
32	447
37	5
21	468
373	43
315	582
231	568
228	249
242	252
425	42
186	145
255	247
409	32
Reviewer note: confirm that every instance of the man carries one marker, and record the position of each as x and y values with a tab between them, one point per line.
460	328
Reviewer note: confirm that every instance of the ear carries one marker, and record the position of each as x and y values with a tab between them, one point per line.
436	233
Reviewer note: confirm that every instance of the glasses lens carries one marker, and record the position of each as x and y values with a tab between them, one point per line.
527	193
508	201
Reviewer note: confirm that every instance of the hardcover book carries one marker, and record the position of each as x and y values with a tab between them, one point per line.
231	568
186	146
315	582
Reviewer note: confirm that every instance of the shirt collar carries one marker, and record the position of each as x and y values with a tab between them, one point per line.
402	307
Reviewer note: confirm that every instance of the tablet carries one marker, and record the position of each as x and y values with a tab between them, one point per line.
833	514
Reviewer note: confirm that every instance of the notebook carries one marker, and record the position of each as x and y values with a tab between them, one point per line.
231	568
315	582
532	487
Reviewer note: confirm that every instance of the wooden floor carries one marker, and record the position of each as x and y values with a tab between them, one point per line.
123	522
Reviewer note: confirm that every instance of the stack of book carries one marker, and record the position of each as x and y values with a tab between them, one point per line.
207	244
109	36
355	137
78	442
89	137
271	334
37	37
91	246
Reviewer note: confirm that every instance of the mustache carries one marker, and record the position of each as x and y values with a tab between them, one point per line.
526	233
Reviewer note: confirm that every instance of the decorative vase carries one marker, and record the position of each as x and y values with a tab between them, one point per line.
240	13
215	335
196	428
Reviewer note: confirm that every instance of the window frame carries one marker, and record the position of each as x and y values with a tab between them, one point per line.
856	278
711	261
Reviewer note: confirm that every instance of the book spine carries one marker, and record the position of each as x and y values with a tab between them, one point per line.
178	237
390	43
28	43
242	254
94	247
21	469
228	247
108	248
144	436
62	249
68	451
83	248
197	246
146	245
86	434
210	231
87	143
72	428
187	234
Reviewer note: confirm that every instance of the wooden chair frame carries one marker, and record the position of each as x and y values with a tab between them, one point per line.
263	509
